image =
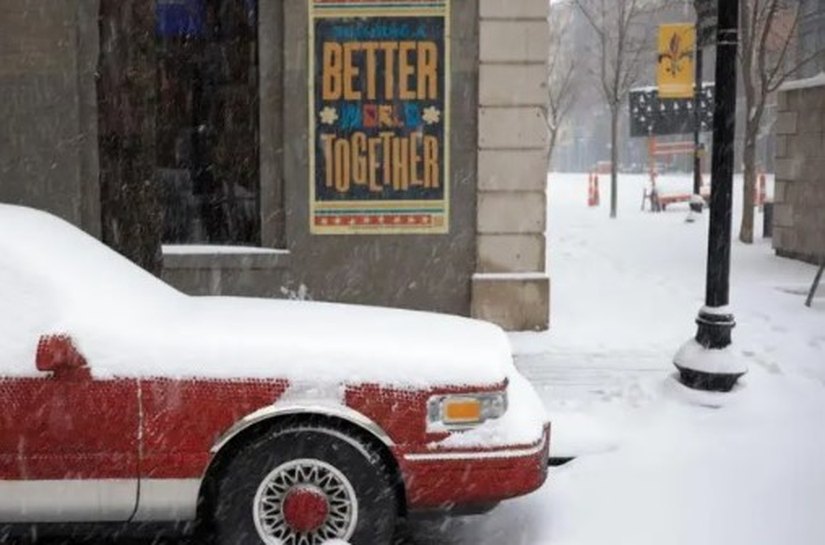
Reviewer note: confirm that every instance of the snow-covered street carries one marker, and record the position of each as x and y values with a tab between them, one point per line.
657	463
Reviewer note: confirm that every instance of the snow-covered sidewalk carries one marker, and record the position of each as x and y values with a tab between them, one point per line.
657	463
625	296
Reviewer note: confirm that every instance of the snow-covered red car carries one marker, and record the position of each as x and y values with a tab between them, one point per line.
271	421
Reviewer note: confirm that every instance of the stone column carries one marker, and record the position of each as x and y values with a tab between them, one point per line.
511	286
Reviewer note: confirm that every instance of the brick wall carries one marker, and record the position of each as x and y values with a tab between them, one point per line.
799	209
511	287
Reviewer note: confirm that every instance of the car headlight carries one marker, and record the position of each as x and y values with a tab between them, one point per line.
466	409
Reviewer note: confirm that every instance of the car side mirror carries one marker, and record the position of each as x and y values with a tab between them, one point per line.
58	355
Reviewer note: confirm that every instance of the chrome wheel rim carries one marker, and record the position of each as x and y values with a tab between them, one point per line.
287	509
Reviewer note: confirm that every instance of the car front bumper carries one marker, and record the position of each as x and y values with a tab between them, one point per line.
449	479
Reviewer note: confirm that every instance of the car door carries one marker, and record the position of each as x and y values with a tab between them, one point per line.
68	441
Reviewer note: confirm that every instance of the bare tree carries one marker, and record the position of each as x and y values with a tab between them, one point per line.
768	34
623	29
132	218
561	70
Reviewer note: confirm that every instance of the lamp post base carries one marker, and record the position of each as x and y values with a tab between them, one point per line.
697	203
707	382
707	362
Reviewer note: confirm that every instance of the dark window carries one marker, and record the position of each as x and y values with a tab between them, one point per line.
207	126
808	7
812	37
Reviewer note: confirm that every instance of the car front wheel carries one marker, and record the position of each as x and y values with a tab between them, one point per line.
304	485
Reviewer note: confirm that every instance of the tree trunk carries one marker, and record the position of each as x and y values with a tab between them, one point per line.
614	160
552	145
132	217
748	188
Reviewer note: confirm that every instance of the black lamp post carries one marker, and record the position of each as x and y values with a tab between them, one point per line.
706	362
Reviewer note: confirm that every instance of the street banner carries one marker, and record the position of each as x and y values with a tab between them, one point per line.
675	69
379	117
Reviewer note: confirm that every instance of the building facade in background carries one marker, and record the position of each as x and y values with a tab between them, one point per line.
390	153
812	36
799	212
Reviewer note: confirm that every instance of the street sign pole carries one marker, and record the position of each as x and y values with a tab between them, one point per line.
706	28
697	204
817	279
706	362
706	22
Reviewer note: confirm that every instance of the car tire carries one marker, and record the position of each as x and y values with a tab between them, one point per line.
303	484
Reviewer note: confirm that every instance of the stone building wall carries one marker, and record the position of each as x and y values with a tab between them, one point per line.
799	210
492	265
511	286
48	124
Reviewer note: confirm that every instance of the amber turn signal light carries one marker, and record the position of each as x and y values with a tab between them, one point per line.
462	411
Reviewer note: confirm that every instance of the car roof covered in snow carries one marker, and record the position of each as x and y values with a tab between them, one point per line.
77	267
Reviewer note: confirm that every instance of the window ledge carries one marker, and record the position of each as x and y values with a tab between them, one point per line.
197	256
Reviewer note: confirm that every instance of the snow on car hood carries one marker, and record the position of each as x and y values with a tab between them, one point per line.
227	337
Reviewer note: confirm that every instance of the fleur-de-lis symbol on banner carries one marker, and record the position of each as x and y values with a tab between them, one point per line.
675	54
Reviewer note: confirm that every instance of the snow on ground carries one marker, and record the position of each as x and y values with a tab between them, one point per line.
658	463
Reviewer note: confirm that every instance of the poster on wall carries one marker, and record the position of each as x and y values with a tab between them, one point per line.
379	116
